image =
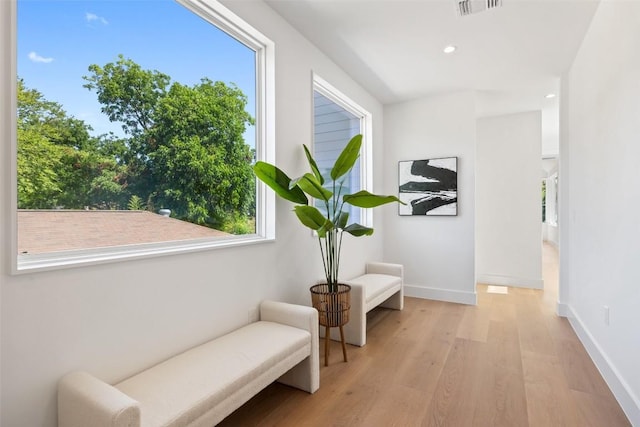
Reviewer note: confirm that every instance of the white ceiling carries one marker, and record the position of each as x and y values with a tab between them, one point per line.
512	56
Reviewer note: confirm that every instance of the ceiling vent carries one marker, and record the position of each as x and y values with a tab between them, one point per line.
468	7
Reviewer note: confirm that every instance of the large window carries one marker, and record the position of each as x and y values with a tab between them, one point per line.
336	120
137	125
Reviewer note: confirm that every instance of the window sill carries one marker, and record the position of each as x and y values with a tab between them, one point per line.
70	259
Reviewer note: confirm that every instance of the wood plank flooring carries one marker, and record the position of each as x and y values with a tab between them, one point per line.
509	361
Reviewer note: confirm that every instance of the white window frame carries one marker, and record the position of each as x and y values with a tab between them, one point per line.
220	16
366	129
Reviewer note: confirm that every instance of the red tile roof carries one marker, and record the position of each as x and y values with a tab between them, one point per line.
42	231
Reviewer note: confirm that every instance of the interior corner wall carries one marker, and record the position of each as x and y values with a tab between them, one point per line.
600	197
508	203
437	251
116	319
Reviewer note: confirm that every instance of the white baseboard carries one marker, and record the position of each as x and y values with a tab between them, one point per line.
629	402
519	282
460	297
562	309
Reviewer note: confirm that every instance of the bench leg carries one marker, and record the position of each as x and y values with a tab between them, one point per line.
395	301
344	347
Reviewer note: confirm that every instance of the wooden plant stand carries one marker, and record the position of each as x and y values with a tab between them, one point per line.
333	312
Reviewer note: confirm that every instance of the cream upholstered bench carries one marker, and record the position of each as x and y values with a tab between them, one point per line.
203	385
381	285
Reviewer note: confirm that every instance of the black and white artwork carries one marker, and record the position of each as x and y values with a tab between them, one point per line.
429	187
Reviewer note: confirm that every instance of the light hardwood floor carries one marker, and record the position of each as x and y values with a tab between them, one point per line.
509	361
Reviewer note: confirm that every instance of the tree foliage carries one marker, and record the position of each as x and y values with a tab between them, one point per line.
199	166
128	93
183	148
59	163
38	163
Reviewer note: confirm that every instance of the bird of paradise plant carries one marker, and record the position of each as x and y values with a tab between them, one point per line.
333	221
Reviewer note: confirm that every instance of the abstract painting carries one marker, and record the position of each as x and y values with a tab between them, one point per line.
429	187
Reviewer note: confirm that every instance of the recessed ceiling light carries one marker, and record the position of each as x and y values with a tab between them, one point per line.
550	95
449	49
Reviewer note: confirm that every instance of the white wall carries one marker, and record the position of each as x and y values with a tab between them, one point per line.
550	128
600	197
437	251
115	319
508	203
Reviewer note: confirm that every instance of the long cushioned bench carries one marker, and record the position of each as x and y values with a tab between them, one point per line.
203	385
381	285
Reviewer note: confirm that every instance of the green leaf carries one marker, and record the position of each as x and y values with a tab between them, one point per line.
358	230
279	182
364	199
310	185
313	165
342	219
312	218
322	231
347	158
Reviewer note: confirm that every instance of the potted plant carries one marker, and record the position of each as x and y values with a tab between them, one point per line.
330	298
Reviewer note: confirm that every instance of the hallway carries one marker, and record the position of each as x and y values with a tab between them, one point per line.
550	273
509	361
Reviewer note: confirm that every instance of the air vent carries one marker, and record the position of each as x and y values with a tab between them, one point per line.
468	7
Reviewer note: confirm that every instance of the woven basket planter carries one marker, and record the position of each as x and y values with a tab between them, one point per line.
333	307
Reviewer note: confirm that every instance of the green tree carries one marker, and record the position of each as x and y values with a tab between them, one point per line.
185	149
199	134
59	163
128	93
90	178
135	203
38	163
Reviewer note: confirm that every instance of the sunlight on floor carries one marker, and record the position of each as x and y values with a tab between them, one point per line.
493	289
549	274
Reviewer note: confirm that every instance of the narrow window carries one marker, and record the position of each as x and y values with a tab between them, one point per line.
336	120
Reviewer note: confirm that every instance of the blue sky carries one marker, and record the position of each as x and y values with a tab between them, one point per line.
59	39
